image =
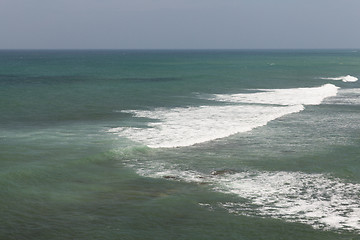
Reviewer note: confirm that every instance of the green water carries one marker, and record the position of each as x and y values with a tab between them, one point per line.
63	175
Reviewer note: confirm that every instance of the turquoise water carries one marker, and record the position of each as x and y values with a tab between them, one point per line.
180	144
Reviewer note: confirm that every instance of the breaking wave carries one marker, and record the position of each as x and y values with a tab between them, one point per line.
347	78
178	127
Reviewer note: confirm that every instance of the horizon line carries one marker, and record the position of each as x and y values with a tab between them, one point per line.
169	49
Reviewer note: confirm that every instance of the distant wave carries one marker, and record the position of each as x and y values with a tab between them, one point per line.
347	78
286	97
178	127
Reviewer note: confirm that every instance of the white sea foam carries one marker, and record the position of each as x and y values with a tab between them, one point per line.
315	199
293	96
179	127
188	126
347	78
297	197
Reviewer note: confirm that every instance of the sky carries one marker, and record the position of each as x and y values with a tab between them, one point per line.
179	24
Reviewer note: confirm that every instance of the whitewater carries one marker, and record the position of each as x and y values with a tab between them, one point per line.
319	200
347	78
179	127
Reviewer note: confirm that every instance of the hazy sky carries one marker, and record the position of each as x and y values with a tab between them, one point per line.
149	24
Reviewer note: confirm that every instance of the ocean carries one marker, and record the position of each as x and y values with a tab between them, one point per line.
179	144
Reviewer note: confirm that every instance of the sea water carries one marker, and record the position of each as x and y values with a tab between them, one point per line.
170	144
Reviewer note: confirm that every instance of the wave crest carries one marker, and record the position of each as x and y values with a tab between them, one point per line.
285	97
347	78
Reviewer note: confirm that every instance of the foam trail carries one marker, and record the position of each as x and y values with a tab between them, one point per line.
347	78
314	199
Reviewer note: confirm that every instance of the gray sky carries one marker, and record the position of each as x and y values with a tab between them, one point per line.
173	24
